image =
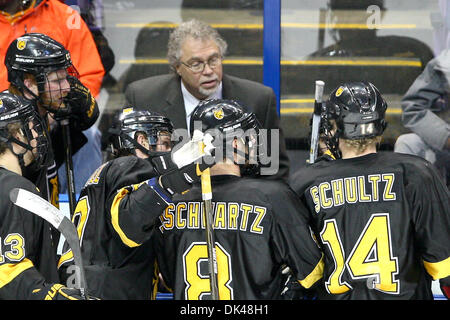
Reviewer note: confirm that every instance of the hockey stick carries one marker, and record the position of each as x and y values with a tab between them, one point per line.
44	209
316	121
69	165
210	241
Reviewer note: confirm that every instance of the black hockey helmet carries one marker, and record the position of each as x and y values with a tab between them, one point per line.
130	122
230	120
358	110
18	110
36	54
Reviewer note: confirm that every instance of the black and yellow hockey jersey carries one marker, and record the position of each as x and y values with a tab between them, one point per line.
27	256
115	215
258	228
46	177
383	221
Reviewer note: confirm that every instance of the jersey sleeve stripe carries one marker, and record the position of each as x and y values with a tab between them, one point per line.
314	276
438	270
115	218
66	257
9	271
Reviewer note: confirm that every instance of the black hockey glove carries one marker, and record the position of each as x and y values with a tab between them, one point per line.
181	180
82	105
60	292
163	163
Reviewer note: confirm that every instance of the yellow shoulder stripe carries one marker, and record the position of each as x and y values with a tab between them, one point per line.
115	218
66	257
314	276
438	270
9	271
328	152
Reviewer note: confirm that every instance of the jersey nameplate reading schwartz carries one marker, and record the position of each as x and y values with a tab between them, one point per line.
229	216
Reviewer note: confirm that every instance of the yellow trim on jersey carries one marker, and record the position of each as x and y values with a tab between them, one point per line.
115	218
438	270
66	257
328	152
9	271
314	276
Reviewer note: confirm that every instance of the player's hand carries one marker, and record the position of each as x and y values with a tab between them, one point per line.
181	180
199	146
188	153
82	105
163	163
190	160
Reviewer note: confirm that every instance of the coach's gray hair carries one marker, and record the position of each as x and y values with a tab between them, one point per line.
197	30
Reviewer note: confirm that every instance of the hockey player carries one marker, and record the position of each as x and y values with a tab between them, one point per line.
119	204
382	219
27	258
258	224
40	69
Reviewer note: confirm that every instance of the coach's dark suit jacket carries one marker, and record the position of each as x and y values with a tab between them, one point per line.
162	94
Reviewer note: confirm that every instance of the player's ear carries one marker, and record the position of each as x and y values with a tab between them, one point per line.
20	136
31	84
142	140
235	143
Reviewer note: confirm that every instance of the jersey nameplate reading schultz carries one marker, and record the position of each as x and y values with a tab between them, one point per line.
371	188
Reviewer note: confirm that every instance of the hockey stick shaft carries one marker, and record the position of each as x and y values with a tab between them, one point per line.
210	241
44	209
318	96
69	165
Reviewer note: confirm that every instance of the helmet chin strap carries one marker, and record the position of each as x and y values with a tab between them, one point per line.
136	144
333	144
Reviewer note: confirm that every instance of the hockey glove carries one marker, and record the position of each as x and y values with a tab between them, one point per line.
181	180
181	156
163	163
60	292
83	106
192	150
190	161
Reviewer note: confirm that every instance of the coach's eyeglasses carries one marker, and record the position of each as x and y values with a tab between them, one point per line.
199	66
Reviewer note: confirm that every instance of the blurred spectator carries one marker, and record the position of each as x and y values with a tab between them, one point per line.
426	113
440	21
364	42
92	13
60	22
